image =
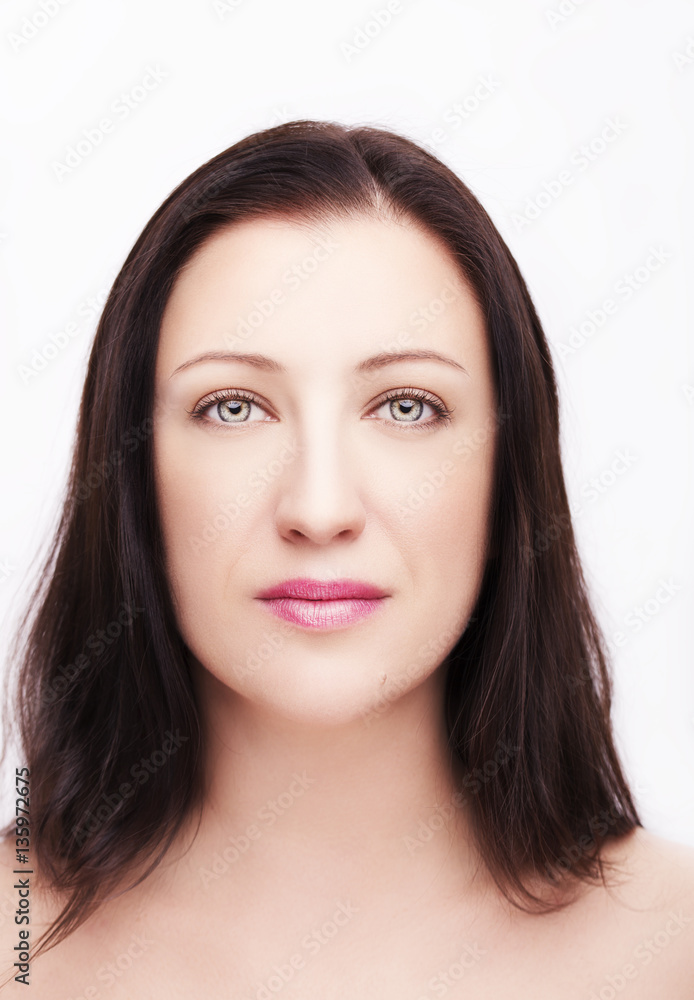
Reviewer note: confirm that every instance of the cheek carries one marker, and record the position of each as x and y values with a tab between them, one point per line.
445	523
202	515
443	535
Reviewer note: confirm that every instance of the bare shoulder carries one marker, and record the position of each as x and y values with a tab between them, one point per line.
654	872
85	954
647	915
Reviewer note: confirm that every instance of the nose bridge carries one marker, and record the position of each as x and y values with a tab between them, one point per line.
320	492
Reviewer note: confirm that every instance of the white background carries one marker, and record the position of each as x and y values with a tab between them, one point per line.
555	73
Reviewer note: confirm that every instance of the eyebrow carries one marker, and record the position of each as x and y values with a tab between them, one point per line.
369	364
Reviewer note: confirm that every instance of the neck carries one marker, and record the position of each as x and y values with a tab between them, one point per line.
371	801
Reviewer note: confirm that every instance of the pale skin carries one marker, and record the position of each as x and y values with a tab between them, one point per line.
327	762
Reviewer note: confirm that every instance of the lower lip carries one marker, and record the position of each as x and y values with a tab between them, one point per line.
323	614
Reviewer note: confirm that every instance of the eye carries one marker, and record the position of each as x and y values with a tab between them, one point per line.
228	406
406	407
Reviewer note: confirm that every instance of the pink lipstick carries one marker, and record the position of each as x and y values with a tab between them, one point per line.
325	604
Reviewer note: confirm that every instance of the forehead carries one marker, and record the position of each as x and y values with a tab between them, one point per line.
338	289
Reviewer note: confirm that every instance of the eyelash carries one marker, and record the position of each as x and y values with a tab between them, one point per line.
443	413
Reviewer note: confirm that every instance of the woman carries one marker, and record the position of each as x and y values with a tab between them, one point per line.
314	699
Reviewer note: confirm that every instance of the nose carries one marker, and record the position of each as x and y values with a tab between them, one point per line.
319	492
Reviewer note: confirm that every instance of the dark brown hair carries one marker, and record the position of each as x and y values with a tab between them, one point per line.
103	681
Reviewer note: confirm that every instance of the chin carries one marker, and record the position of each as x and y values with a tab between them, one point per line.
324	692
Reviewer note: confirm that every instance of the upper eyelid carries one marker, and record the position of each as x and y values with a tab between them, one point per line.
220	394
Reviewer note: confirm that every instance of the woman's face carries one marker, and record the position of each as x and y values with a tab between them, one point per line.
314	472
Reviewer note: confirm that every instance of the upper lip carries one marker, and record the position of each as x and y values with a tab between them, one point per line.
322	590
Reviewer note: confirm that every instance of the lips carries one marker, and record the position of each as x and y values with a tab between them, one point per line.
303	588
323	604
